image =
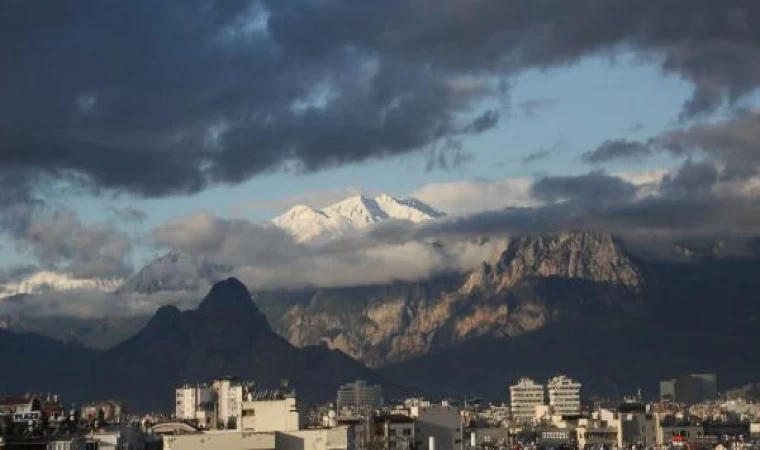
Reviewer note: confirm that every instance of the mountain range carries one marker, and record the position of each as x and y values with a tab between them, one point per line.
578	302
309	225
225	336
534	282
697	316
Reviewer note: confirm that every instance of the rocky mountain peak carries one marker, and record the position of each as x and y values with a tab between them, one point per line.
586	255
230	297
164	318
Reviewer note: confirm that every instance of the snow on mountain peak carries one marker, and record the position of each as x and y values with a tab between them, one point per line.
357	212
46	281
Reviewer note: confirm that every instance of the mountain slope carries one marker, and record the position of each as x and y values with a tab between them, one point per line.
34	363
355	213
226	335
97	333
704	317
536	281
174	272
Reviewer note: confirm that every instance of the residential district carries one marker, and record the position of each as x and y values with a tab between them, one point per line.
230	414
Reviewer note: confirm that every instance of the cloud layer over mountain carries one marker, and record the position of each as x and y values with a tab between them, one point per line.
154	99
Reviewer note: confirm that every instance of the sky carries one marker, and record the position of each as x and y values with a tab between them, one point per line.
132	129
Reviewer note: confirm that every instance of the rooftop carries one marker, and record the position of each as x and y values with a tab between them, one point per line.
14	400
393	418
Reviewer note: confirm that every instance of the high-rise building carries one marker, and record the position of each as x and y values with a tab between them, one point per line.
690	388
668	390
564	395
525	396
696	388
229	394
359	394
190	399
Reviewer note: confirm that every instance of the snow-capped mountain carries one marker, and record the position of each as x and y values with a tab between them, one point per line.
174	271
46	281
309	225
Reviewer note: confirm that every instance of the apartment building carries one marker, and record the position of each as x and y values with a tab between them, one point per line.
564	395
525	396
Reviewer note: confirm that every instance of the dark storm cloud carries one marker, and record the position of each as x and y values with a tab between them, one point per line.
617	149
691	179
688	203
655	220
592	187
166	97
733	144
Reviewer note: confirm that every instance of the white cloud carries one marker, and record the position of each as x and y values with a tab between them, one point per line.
469	197
378	264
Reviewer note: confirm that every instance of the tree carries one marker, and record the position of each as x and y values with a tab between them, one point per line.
101	417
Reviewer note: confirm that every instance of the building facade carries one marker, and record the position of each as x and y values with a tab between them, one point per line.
441	422
391	432
525	396
359	395
229	401
191	399
111	411
668	391
564	395
690	389
265	413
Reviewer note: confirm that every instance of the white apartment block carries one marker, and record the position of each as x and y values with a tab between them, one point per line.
229	395
564	395
192	399
525	396
233	405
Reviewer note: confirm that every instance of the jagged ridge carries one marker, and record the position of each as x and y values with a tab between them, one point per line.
535	281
